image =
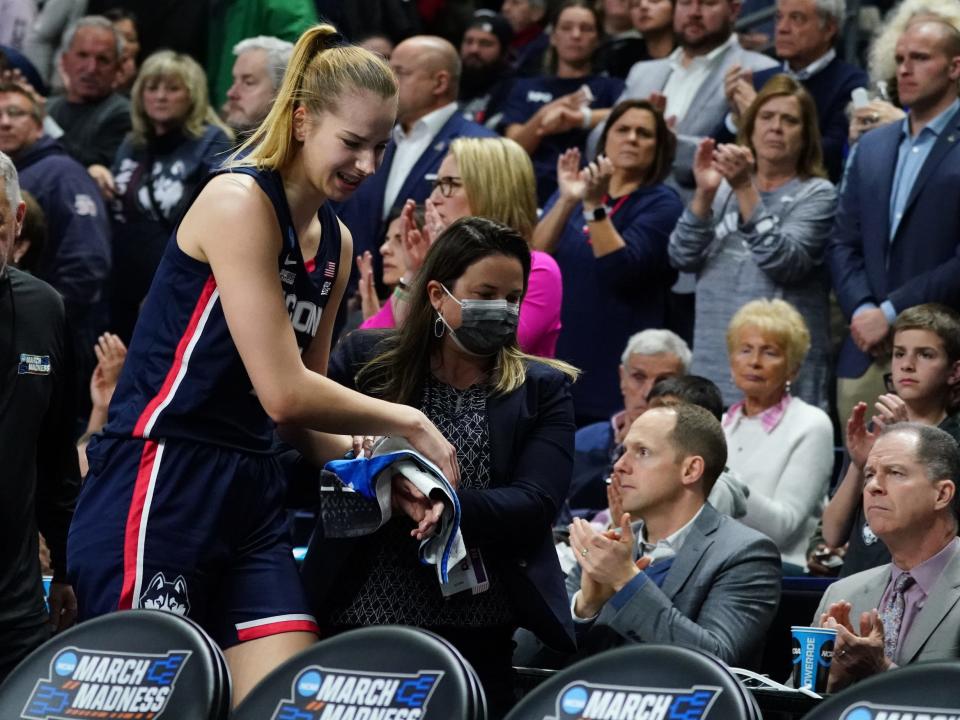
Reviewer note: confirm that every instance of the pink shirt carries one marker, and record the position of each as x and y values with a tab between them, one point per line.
539	313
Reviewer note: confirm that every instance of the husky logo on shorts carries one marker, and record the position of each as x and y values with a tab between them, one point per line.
589	701
163	595
99	684
319	693
879	711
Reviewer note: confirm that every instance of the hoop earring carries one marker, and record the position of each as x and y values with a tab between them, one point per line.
439	328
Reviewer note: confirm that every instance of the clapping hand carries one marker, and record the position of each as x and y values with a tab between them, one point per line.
708	177
596	178
414	241
735	164
854	656
110	352
366	287
571	185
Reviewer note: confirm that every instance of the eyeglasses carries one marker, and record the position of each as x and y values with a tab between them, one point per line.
13	112
447	184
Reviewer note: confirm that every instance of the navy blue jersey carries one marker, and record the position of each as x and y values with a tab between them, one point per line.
183	377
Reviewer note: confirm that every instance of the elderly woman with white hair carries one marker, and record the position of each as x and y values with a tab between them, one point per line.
780	447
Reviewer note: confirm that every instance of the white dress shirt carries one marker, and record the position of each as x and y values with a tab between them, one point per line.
684	82
410	146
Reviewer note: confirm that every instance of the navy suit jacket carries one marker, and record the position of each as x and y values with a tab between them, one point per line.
361	213
922	263
531	456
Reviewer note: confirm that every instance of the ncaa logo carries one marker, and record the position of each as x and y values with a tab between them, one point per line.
877	711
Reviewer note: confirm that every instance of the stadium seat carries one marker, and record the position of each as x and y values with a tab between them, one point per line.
922	690
661	680
380	668
135	663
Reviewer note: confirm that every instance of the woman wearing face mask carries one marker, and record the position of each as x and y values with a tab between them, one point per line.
510	417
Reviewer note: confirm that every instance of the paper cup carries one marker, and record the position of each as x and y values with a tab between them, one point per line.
812	655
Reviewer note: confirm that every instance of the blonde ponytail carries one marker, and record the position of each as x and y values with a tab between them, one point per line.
319	72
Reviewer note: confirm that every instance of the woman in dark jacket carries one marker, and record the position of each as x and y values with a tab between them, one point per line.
510	417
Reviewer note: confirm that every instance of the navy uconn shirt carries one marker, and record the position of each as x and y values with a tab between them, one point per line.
530	94
183	377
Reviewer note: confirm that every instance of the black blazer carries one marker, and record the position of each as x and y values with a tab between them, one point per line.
531	455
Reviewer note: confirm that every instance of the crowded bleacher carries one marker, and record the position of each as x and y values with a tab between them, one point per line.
480	359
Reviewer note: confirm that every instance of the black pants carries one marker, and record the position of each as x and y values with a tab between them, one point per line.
17	643
490	651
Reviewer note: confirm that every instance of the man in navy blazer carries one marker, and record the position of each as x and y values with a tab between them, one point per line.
896	239
806	32
428	73
683	573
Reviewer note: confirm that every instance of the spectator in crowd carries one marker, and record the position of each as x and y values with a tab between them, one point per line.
493	178
511	419
550	114
757	227
45	35
607	226
779	446
17	19
177	139
653	19
428	72
680	573
125	22
898	182
40	475
392	251
907	610
528	18
689	82
257	75
649	379
648	357
94	117
248	284
379	44
232	22
925	375
29	245
624	42
76	260
487	76
806	34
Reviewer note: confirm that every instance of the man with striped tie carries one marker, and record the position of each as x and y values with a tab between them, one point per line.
908	610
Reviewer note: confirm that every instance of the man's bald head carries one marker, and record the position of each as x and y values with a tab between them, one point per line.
428	72
946	31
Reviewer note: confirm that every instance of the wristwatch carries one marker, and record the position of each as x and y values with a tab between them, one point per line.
596	215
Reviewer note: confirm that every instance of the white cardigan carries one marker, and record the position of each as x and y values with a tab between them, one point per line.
787	471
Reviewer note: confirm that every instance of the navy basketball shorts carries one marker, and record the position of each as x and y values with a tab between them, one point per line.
194	529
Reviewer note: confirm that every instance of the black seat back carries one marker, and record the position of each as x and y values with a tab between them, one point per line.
666	681
926	689
382	667
135	663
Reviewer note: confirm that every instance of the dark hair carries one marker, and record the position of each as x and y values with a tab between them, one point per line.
550	59
942	321
810	162
691	389
397	374
34	230
666	141
699	433
937	451
116	14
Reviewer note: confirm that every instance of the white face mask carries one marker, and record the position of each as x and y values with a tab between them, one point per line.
486	326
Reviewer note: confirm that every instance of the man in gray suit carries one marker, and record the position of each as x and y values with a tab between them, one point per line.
682	574
689	81
908	610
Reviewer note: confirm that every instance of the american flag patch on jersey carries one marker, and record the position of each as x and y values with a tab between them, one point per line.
331	269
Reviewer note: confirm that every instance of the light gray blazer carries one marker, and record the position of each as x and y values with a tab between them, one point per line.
720	595
706	112
935	632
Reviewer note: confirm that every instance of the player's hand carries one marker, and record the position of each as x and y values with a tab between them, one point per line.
423	510
110	352
63	606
